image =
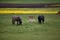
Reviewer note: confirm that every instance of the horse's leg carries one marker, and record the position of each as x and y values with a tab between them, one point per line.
20	22
17	22
39	20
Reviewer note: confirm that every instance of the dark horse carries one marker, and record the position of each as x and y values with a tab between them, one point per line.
16	18
41	19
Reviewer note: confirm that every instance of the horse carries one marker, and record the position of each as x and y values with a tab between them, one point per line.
31	19
17	19
41	19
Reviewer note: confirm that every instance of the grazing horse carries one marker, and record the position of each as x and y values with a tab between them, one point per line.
16	18
31	19
41	19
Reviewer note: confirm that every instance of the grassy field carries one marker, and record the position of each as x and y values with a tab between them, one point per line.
28	1
50	30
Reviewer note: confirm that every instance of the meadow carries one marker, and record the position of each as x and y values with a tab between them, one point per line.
50	30
28	1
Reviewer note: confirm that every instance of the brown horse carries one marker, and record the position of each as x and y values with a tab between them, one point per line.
16	18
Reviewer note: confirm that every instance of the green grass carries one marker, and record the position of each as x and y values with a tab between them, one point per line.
30	9
50	30
28	1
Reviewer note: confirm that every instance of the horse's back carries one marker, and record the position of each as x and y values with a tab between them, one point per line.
41	17
15	18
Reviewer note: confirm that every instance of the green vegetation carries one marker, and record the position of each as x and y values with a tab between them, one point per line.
30	9
50	30
28	1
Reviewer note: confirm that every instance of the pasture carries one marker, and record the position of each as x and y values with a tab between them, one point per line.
50	30
28	1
